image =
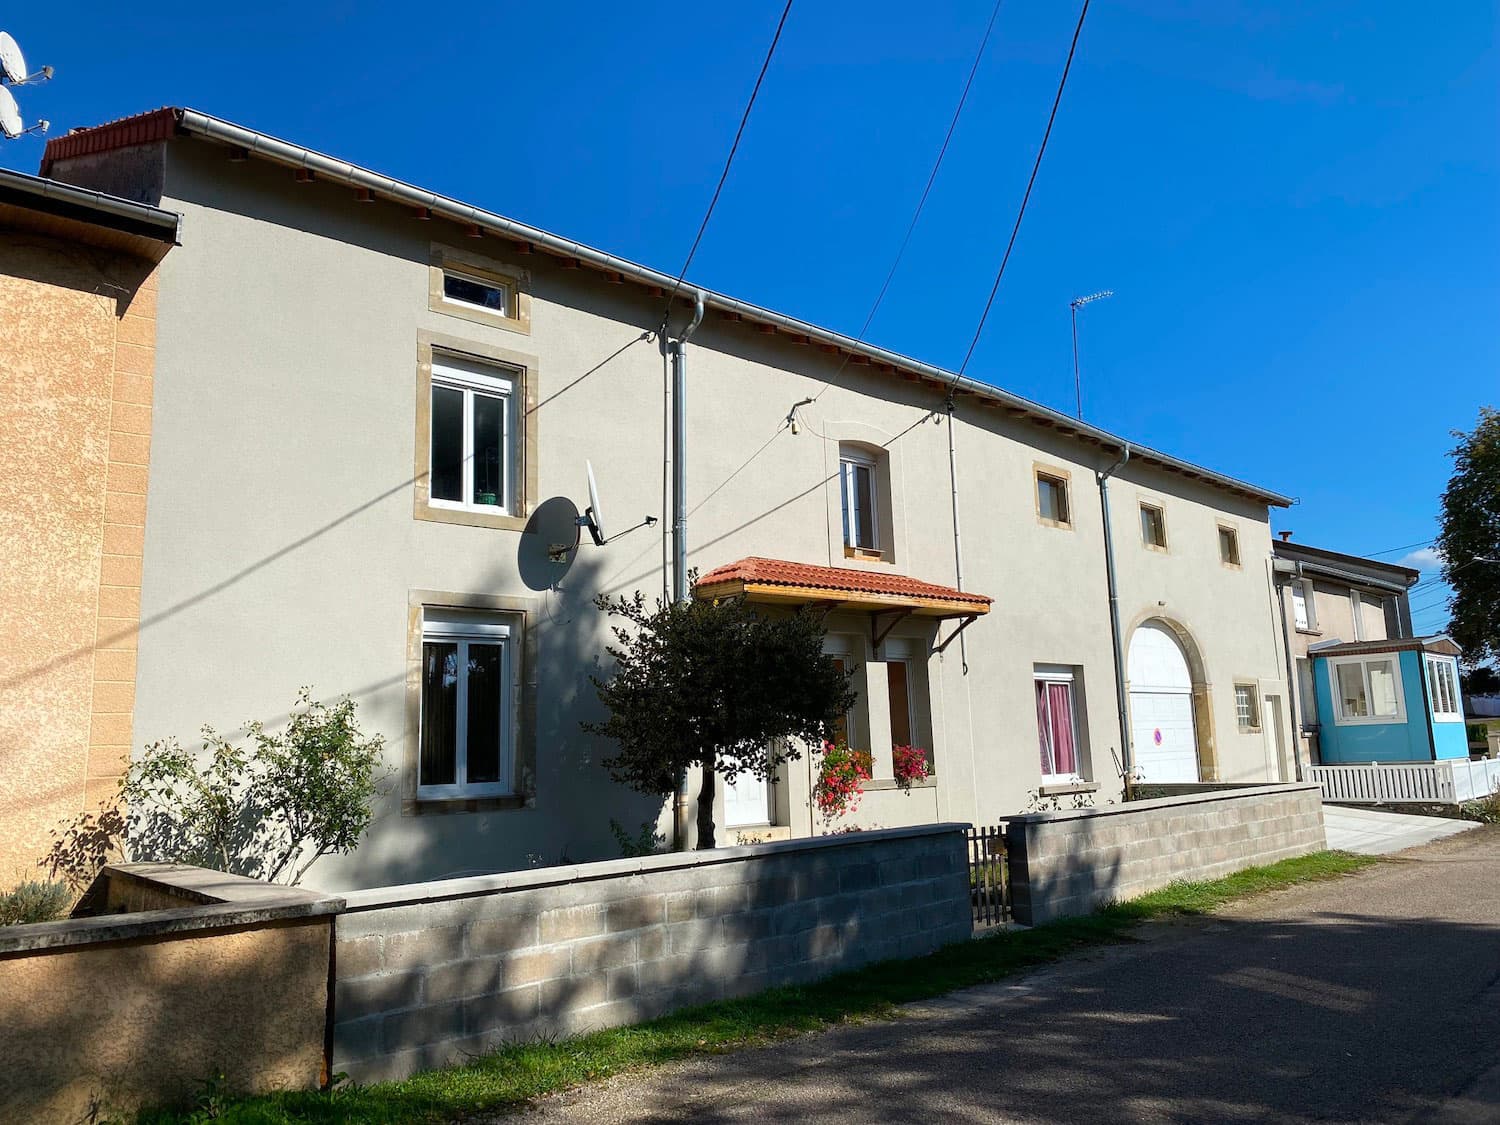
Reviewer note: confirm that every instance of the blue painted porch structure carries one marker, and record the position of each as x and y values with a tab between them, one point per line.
1421	730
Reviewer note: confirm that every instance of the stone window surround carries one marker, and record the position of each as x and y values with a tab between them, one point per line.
526	370
520	613
516	281
1039	470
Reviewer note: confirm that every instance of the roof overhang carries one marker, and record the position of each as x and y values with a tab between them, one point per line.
161	124
775	582
1439	645
93	218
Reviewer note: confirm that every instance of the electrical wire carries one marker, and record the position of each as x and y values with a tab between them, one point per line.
1025	198
1403	547
922	202
724	175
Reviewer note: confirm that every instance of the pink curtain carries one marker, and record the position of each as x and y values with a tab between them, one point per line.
1054	718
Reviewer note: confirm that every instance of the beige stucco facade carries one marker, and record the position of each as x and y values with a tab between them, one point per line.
282	547
76	352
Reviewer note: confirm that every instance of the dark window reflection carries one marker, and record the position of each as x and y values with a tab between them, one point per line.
447	444
485	688
439	713
489	444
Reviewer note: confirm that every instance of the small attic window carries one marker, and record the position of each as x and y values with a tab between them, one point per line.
461	289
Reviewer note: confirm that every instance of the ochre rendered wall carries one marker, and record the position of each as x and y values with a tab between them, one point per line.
77	338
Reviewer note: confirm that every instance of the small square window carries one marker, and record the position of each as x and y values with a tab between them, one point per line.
1229	546
1247	707
1052	500
1153	526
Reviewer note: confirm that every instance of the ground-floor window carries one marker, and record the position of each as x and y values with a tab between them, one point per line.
1367	690
467	727
1057	724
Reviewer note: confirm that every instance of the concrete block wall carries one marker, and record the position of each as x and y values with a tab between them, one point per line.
1074	861
427	973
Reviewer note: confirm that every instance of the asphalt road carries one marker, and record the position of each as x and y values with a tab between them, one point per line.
1373	998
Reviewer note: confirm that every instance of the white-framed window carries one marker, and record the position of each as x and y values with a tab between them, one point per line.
1366	689
472	448
1153	526
1057	725
466	738
475	292
1052	500
1246	707
859	484
1442	688
1304	610
1229	545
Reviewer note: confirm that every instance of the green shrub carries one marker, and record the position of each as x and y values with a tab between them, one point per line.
1486	810
34	902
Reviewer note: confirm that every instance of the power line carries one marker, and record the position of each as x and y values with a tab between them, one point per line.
1394	550
1026	198
724	175
921	203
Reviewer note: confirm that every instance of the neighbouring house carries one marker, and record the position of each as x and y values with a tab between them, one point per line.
78	294
1393	700
1327	596
374	405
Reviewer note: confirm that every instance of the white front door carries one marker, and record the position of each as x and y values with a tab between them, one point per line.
1162	734
747	801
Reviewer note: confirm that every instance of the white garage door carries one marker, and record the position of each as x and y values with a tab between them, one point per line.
1161	707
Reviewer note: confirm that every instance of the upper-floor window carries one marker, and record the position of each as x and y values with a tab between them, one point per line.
478	293
1153	526
1052	505
1229	546
465	737
1304	609
1366	689
472	459
1442	683
1307	695
859	483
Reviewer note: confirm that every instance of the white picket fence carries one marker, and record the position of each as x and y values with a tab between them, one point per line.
1446	783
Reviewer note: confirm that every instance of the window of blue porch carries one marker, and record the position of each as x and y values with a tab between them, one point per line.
1412	736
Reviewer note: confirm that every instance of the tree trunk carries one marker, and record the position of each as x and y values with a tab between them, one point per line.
706	803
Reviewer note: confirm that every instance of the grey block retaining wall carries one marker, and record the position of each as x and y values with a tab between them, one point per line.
428	973
1071	862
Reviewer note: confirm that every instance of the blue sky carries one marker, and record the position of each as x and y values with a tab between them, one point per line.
1296	204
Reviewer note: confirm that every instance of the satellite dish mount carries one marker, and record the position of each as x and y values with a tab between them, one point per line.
593	517
13	72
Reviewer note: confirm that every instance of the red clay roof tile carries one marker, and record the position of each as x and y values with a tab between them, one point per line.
778	572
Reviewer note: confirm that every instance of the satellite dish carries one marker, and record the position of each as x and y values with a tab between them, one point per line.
12	62
549	543
593	514
10	115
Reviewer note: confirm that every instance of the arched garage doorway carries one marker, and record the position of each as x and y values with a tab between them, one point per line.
1162	727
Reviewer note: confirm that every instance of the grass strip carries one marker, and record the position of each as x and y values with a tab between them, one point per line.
516	1073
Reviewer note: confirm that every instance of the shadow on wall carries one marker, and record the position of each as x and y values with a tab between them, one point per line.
1350	1017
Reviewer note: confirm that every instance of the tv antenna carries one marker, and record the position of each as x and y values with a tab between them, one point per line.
13	72
1074	305
593	517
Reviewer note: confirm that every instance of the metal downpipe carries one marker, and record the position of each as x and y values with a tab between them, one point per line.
1127	763
677	349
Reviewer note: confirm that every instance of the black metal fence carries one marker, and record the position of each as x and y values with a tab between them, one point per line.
989	877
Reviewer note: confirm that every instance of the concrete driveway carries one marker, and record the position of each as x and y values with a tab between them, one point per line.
1379	831
1372	998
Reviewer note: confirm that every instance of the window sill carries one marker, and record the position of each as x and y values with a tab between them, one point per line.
885	783
1309	632
466	518
1062	525
441	806
864	555
1067	788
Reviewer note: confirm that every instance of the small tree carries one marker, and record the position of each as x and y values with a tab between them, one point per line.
268	809
716	685
1470	535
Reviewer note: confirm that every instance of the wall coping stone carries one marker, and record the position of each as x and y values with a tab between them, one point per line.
214	901
1157	804
377	898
